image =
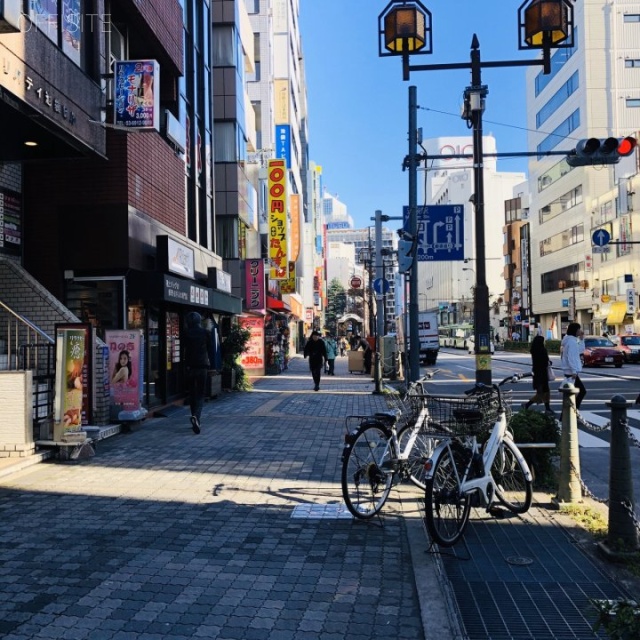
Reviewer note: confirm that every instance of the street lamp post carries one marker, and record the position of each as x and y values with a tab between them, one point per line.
405	29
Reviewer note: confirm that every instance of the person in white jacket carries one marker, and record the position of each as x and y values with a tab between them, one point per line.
571	362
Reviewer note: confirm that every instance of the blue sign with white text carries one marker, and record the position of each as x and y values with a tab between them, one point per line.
283	143
440	231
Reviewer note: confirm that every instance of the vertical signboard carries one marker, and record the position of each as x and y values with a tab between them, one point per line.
253	356
283	143
289	285
277	205
126	367
73	384
10	222
254	285
137	91
294	239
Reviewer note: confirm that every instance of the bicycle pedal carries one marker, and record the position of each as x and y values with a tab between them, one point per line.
497	512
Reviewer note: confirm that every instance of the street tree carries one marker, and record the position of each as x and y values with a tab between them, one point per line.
336	305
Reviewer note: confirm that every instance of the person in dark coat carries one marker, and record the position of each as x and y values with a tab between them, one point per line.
197	344
368	354
539	365
316	351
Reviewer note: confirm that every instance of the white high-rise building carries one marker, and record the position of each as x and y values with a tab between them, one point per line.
593	90
448	285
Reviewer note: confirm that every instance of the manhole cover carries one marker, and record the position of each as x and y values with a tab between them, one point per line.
321	511
519	560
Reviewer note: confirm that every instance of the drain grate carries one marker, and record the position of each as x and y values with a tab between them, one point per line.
523	579
321	512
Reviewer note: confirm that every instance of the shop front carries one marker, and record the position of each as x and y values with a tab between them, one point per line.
276	336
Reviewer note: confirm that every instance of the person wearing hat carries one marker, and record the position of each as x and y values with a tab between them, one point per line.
316	351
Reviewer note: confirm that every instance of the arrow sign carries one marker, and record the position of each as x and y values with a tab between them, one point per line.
381	286
601	237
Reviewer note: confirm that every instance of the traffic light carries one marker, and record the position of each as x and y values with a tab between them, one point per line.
406	251
593	151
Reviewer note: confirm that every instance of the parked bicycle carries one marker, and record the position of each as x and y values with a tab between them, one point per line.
385	448
462	472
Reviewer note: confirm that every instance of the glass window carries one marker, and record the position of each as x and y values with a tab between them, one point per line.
562	131
633	103
558	60
561	240
224	137
560	205
557	100
632	62
223	46
62	22
632	17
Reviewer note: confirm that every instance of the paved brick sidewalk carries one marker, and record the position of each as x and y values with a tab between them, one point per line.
168	535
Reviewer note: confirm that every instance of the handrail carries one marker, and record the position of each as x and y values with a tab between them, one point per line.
26	322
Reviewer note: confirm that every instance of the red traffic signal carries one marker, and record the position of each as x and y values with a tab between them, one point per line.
626	146
593	151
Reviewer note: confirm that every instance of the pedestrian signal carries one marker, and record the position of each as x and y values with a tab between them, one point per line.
594	151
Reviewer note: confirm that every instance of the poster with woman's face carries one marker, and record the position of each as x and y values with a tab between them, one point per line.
125	368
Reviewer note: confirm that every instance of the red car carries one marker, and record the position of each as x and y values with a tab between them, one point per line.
600	351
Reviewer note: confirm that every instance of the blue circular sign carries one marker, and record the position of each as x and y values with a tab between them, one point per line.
601	237
381	286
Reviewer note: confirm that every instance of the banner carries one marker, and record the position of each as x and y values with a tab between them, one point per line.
126	368
277	205
294	244
73	384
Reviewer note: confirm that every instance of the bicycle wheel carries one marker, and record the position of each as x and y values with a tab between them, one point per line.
446	507
513	489
421	451
367	471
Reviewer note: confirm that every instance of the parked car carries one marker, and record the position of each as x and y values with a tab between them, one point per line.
629	345
600	351
471	346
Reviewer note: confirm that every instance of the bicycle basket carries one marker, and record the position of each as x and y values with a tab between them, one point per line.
464	415
408	407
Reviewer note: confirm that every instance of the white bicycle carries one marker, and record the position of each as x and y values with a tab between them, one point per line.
463	473
386	448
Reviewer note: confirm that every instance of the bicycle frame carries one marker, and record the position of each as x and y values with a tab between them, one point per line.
485	483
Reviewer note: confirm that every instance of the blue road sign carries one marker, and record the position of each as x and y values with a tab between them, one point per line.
601	237
440	232
381	286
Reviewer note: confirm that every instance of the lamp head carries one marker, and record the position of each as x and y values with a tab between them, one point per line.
404	27
545	24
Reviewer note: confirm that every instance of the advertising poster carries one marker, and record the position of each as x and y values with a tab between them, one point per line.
136	100
10	222
72	404
125	368
253	357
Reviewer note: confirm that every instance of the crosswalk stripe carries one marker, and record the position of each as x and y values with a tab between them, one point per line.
634	415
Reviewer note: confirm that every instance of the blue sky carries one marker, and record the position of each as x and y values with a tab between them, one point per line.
358	102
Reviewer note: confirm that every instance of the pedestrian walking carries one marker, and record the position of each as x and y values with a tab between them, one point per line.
197	344
316	351
368	353
343	346
540	367
332	351
570	360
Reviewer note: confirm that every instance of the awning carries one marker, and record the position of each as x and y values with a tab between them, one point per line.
617	313
277	305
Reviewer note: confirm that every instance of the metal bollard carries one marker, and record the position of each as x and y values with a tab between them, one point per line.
622	534
569	488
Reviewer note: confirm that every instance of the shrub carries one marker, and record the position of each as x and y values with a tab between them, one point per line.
531	426
233	347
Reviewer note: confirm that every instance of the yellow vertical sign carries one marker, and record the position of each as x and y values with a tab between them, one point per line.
277	213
